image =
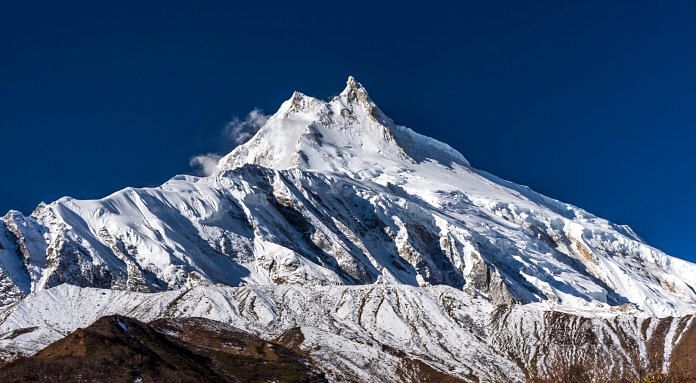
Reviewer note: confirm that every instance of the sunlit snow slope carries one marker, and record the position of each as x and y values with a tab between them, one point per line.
335	193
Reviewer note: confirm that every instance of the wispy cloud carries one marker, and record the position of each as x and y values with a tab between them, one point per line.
205	164
235	133
240	131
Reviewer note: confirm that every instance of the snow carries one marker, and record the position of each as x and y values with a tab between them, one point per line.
346	328
220	229
345	321
337	164
351	136
335	196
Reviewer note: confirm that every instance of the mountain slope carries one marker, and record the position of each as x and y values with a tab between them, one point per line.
369	247
366	333
336	193
118	349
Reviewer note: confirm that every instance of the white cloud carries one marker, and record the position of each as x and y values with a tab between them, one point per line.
235	133
240	131
206	164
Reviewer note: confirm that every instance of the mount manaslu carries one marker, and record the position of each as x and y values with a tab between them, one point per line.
354	248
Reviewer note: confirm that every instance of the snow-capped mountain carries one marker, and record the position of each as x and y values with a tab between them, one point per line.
335	194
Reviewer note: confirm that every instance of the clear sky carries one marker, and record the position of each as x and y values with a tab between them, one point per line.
589	102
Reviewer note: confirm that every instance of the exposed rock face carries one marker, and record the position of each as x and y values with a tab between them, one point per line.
120	349
460	272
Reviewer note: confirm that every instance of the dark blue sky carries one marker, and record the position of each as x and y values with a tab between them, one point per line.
592	103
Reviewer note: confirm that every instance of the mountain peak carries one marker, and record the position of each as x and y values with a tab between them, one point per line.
352	87
335	226
298	102
348	133
356	92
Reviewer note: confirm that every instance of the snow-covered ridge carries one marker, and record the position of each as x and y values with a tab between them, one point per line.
348	133
366	333
335	193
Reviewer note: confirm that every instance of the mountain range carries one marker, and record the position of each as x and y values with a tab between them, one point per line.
366	251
